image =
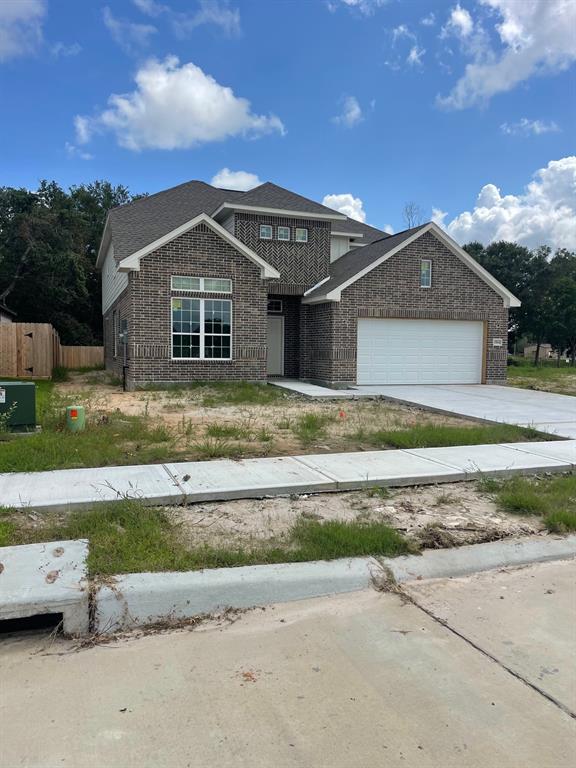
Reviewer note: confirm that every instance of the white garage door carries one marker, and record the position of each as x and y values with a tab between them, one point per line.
419	351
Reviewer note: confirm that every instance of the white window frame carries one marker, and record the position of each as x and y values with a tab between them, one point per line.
429	262
301	229
202	331
275	311
202	288
284	239
268	226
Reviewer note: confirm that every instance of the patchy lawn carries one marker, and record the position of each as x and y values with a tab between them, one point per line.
553	499
223	420
127	537
547	377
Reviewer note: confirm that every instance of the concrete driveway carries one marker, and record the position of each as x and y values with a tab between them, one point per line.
467	679
545	411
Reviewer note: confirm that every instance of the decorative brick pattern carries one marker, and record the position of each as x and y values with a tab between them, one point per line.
393	290
301	265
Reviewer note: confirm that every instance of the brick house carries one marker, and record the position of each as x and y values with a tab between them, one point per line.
201	283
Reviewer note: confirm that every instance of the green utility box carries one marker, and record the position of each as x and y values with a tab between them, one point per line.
18	400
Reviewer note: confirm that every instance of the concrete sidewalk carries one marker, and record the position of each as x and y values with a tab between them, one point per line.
188	482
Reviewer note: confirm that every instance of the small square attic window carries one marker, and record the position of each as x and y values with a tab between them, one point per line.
265	232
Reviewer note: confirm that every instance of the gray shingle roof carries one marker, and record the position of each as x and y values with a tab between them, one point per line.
270	195
137	224
358	259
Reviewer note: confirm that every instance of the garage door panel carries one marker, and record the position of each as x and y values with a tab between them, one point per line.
394	351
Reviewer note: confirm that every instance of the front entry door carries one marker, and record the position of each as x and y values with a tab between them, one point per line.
275	364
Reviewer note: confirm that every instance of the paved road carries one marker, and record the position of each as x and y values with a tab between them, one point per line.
348	682
548	412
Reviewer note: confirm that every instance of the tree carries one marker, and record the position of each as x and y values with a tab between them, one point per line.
412	214
48	244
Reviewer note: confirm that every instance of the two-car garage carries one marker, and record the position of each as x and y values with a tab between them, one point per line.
400	351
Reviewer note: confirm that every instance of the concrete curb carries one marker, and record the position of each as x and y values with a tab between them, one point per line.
147	598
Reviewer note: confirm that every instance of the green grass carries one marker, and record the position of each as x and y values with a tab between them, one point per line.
230	431
311	427
127	537
546	376
552	498
227	393
437	435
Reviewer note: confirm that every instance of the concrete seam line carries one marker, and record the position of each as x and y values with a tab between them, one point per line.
332	478
434	461
488	655
533	452
176	483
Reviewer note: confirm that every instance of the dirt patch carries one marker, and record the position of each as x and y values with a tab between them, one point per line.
256	429
432	516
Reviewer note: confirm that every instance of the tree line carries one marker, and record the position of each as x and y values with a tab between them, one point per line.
545	283
49	241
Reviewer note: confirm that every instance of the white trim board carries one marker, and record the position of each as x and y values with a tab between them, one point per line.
279	212
509	299
132	262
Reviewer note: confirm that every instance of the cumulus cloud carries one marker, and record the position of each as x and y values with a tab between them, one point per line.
543	214
526	127
129	36
364	7
175	107
347	204
239	180
351	113
20	27
216	12
536	38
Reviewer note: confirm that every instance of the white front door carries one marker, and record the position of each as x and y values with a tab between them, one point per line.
394	351
275	345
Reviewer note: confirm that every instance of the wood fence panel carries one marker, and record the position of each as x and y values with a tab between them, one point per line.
81	357
8	356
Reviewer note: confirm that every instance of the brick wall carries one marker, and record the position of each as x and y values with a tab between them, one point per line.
198	253
393	290
301	265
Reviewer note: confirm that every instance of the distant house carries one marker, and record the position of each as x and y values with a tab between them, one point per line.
202	283
6	315
546	351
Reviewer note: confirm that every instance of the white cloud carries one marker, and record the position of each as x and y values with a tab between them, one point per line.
216	12
526	127
536	38
20	27
175	107
428	21
74	151
459	24
543	214
239	180
129	36
351	113
402	31
389	229
414	58
438	216
61	49
365	7
347	204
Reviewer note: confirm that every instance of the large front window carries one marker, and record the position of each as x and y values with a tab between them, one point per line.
201	329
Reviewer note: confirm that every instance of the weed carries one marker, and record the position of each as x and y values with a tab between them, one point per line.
216	448
379	492
264	436
561	521
59	374
227	431
311	427
552	498
434	435
443	499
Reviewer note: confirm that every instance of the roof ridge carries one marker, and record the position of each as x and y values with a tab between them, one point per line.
163	192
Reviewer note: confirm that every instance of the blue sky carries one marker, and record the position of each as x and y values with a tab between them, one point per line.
466	108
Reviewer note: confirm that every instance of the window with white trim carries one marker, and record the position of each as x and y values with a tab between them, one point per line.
283	233
425	273
301	235
201	284
265	232
201	329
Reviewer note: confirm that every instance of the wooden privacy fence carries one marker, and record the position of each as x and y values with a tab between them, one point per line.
33	350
